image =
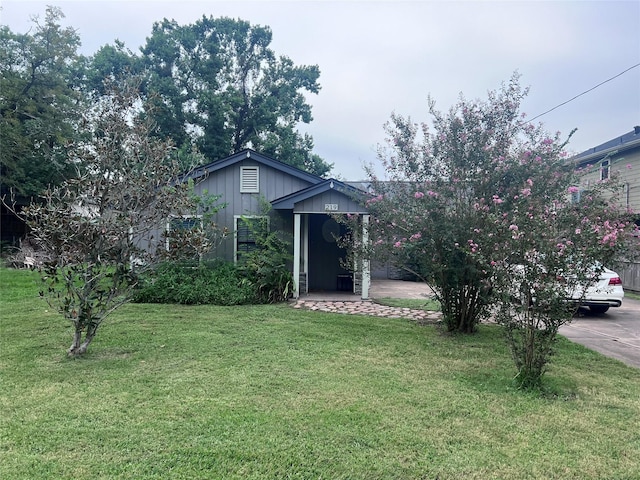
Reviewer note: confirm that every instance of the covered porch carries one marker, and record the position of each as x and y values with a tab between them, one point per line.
318	260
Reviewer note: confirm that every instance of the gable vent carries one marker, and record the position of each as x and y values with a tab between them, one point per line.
249	180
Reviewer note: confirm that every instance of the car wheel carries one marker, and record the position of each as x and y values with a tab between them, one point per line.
599	308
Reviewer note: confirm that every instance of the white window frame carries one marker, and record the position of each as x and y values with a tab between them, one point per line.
236	219
249	187
605	167
168	226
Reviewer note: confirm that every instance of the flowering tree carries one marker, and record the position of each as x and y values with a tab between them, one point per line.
425	215
545	249
481	210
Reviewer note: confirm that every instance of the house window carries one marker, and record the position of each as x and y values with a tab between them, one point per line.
248	230
604	170
249	180
575	196
177	238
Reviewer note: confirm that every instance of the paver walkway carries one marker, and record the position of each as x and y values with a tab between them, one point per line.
352	305
365	307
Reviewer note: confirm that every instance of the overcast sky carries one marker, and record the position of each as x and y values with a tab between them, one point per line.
379	57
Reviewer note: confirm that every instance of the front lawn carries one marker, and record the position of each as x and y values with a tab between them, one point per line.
184	392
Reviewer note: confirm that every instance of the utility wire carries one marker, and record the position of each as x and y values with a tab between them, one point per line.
585	92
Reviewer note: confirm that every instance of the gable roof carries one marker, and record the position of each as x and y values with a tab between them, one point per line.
616	145
288	201
258	157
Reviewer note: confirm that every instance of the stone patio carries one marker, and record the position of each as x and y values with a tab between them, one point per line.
335	302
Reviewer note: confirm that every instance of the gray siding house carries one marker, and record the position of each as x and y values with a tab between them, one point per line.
302	205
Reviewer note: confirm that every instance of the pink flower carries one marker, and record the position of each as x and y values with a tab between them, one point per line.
397	244
513	228
374	199
573	189
526	192
578	231
415	236
418	195
529	182
497	200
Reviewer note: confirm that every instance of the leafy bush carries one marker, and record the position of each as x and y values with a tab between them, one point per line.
217	283
266	266
484	209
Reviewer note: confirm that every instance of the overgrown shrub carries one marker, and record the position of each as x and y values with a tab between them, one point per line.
216	283
266	266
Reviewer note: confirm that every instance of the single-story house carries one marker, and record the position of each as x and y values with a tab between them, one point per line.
302	207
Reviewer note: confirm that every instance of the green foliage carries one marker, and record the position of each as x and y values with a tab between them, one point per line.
425	215
541	248
266	267
217	283
262	275
482	210
217	85
255	392
84	294
99	227
39	104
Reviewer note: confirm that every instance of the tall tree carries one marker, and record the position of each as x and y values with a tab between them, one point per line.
216	84
104	226
39	104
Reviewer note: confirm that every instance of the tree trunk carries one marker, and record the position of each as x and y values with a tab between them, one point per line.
77	339
79	348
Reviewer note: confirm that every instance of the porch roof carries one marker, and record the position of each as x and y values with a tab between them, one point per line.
288	201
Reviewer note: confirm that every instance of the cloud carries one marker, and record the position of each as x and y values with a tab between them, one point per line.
377	57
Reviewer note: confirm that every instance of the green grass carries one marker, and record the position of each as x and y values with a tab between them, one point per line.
427	304
633	295
170	392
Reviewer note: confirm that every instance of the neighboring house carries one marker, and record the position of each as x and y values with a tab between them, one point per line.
301	208
620	155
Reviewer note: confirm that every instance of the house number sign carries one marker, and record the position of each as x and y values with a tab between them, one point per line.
330	207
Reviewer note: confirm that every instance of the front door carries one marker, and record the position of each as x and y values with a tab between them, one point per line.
325	271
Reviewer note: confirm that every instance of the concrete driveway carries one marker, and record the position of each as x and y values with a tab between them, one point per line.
615	334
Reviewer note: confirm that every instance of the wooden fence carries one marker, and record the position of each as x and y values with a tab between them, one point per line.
630	275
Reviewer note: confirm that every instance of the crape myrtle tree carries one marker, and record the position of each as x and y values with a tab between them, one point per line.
544	243
481	209
106	225
423	212
216	84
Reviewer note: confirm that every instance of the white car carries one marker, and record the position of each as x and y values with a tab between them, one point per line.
606	292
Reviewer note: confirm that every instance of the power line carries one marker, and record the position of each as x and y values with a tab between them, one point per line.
585	92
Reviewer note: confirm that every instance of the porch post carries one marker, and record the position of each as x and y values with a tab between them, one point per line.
305	251
366	267
296	255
